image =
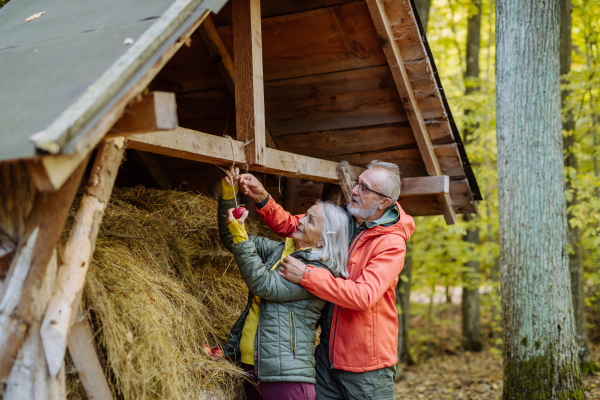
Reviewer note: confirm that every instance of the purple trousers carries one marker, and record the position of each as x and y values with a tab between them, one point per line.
277	390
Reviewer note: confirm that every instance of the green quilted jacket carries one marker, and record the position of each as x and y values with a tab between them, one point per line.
285	340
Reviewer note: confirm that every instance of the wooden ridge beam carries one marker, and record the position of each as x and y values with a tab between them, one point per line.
249	87
215	45
396	63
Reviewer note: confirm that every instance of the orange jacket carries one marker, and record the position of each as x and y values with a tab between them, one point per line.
364	331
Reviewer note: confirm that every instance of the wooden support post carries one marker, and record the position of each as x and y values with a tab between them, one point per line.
29	378
346	180
84	355
215	45
155	111
30	266
7	250
249	87
394	58
78	253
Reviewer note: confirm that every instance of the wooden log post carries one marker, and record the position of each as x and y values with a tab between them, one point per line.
78	253
29	378
249	86
29	266
346	180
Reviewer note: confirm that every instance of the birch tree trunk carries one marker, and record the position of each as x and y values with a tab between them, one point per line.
574	233
540	353
470	292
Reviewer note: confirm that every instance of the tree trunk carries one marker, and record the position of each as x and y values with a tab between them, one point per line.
540	353
470	298
423	11
403	300
496	312
470	293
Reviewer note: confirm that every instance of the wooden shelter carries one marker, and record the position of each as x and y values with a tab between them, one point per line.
283	88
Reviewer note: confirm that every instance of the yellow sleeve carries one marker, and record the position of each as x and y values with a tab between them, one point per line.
229	192
238	231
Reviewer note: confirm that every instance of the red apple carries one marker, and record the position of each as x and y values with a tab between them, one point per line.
217	353
238	212
207	350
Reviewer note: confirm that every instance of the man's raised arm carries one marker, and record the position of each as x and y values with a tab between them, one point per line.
277	219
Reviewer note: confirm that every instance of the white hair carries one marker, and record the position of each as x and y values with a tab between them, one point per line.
334	235
392	183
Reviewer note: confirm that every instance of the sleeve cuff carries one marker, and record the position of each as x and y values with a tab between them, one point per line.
307	275
263	203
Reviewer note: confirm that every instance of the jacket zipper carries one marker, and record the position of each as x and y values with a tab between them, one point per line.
337	308
257	348
293	333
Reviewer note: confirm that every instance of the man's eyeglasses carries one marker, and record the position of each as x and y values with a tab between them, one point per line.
364	189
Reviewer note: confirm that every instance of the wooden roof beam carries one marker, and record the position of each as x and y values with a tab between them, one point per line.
203	147
249	87
215	45
413	112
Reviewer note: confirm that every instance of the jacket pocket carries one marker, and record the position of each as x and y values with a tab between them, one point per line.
293	333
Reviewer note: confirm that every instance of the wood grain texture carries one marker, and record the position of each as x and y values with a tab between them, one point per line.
339	100
346	179
249	86
154	111
30	266
84	355
409	161
316	42
450	161
348	141
78	252
51	171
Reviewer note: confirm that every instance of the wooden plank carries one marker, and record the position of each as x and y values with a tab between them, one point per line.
439	130
29	378
396	62
155	111
213	40
462	198
425	185
349	141
450	160
7	251
249	87
78	252
191	145
314	42
271	8
101	92
347	99
85	358
30	266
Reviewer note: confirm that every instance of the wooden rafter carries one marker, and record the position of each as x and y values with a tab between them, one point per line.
249	88
215	44
396	63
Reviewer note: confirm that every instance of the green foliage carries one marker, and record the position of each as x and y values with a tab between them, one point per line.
3	2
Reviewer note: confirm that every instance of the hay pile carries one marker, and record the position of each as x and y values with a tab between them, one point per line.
160	287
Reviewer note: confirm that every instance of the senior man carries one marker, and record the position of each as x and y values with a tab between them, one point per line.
356	357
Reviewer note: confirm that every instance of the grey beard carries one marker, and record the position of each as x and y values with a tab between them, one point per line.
360	213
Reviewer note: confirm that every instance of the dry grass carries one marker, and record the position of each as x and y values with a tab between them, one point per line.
159	288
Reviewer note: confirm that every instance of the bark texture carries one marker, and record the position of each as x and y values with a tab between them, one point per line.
574	233
470	292
540	353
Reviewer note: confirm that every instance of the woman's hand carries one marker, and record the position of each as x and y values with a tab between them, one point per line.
253	188
231	218
292	269
232	177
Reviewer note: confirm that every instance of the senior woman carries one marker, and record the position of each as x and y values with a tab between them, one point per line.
275	335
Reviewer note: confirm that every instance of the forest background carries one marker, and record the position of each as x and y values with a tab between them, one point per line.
443	258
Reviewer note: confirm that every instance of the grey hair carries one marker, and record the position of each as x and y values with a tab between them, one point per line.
392	183
334	235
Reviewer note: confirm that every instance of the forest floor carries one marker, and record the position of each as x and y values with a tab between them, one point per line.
447	372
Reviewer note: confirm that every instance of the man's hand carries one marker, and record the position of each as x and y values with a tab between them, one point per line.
292	269
232	176
252	187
